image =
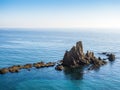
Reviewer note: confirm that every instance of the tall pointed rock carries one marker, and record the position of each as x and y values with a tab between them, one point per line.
74	56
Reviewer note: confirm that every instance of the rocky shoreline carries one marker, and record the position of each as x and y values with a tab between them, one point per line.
72	59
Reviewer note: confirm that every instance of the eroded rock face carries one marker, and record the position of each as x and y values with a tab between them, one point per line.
76	57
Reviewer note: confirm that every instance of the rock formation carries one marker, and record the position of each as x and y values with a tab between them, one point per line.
17	68
73	58
27	66
76	57
59	67
49	64
42	64
14	68
4	70
110	56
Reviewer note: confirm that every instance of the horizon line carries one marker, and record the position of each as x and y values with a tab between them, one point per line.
99	30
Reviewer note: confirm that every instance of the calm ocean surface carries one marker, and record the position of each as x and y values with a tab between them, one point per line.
21	47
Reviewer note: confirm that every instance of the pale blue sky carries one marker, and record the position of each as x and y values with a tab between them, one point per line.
59	13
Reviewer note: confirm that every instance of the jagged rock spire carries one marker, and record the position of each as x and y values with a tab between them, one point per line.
73	56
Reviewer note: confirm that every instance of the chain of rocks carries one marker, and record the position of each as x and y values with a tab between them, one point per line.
73	58
17	68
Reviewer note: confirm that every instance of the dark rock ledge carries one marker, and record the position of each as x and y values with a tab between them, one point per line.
72	59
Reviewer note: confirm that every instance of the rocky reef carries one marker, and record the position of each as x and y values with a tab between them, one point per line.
72	59
17	68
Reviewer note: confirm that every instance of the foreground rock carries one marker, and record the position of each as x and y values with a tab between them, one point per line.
76	57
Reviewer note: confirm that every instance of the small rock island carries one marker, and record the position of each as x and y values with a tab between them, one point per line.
77	58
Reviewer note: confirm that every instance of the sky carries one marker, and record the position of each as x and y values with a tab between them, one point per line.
60	14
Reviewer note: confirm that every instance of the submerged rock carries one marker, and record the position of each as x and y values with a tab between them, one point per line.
104	53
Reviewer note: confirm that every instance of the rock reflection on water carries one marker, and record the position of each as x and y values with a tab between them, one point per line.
74	73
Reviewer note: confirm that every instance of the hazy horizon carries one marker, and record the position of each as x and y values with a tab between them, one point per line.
75	30
93	14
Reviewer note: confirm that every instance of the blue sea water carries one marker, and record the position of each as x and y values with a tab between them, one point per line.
22	46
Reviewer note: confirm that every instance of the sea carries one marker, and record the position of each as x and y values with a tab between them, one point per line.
21	46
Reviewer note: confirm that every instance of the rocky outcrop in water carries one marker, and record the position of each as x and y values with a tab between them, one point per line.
110	56
27	66
76	57
42	64
4	70
59	67
17	68
72	59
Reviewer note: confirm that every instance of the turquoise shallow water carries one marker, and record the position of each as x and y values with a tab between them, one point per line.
21	47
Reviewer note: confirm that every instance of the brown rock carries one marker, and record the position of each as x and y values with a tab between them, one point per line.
49	64
27	66
4	70
39	64
14	68
59	67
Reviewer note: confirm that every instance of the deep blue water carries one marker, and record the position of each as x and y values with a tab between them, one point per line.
21	47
